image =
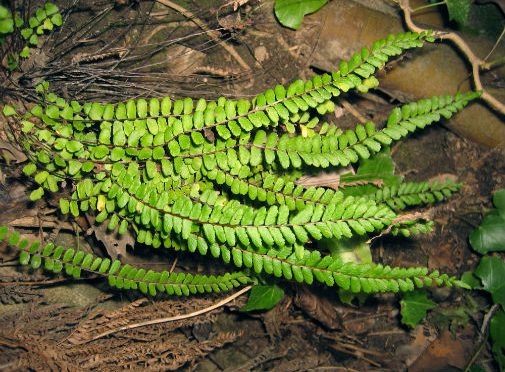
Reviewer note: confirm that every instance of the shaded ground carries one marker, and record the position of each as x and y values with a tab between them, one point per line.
52	322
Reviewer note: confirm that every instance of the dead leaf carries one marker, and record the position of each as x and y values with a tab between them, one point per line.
183	60
445	352
11	153
115	244
318	308
443	177
444	259
422	339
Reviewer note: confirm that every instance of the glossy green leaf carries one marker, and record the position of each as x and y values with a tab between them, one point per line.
459	10
263	297
414	306
496	330
290	13
490	235
491	271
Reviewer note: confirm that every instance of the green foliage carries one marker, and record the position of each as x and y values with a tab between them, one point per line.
57	259
6	21
496	327
263	297
218	178
414	306
44	19
491	271
459	10
455	317
290	13
490	274
490	235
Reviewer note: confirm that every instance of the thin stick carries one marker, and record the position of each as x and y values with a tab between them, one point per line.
495	44
214	35
173	318
482	336
476	62
347	105
428	6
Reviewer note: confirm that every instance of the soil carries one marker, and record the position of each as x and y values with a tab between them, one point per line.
54	322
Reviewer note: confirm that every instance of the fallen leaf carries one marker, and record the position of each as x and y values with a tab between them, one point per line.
115	244
443	353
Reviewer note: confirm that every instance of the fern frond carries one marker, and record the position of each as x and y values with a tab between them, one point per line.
308	267
122	276
410	194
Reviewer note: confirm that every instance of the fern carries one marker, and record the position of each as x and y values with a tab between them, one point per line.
219	178
44	18
57	258
410	194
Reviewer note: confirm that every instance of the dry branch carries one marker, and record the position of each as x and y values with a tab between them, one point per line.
477	63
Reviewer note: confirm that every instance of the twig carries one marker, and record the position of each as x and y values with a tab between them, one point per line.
482	336
347	105
477	63
356	354
172	318
495	45
214	35
386	333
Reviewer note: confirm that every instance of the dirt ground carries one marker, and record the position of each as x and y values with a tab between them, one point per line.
117	51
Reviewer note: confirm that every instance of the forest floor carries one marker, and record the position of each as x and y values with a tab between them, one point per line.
52	322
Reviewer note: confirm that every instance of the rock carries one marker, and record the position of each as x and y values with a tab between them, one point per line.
434	70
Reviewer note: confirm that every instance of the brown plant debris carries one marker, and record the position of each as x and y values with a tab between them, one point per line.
16	294
101	321
318	308
40	339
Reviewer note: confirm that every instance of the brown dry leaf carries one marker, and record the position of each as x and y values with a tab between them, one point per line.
139	311
36	339
443	353
115	244
16	294
422	339
318	308
275	318
443	259
183	60
11	153
266	355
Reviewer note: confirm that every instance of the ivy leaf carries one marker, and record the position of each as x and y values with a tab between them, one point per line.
414	306
471	280
499	201
290	13
263	297
459	10
490	235
496	327
491	271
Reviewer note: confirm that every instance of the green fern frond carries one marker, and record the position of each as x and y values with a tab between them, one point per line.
122	276
309	267
409	194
